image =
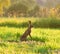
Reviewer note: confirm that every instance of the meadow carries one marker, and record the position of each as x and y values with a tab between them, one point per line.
44	40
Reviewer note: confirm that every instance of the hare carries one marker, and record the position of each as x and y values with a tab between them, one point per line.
27	32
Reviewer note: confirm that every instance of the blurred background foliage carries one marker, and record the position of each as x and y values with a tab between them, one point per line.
30	8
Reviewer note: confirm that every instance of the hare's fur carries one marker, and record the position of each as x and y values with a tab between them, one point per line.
27	32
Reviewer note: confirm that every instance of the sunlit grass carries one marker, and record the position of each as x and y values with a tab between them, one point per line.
37	22
21	19
44	40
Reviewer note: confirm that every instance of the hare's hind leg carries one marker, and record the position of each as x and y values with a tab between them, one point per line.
22	39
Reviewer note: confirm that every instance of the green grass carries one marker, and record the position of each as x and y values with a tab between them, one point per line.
37	22
44	40
45	36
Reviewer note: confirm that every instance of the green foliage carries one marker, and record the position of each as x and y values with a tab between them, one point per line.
48	23
20	7
4	4
41	39
29	8
44	40
37	23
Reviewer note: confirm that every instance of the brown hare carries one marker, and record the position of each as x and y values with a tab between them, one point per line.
27	32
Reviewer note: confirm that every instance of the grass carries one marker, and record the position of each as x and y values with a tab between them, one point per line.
37	22
45	40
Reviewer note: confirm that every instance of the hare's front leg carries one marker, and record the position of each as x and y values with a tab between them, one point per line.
30	35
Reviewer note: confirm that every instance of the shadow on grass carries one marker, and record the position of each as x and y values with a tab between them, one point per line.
16	39
42	39
3	45
13	41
